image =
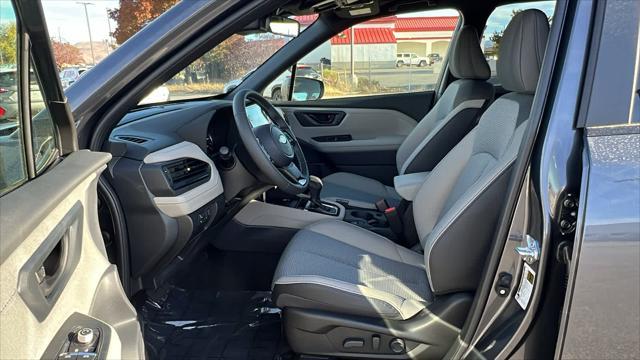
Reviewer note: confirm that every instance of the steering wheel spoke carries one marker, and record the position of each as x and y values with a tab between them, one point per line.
293	173
272	145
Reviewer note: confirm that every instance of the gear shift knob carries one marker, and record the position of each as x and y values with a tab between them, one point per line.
315	203
315	187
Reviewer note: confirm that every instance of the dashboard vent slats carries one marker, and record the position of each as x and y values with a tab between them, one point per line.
133	139
183	173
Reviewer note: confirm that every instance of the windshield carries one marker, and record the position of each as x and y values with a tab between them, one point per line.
224	67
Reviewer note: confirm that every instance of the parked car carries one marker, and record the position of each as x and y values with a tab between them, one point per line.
70	75
435	57
411	59
8	96
497	217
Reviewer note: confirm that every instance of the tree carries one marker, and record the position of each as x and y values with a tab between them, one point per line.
496	37
133	15
66	54
8	44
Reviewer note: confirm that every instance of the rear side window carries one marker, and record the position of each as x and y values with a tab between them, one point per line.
498	21
13	166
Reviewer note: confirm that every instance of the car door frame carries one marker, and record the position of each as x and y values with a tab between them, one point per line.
56	277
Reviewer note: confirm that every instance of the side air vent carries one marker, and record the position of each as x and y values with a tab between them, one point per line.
133	139
186	173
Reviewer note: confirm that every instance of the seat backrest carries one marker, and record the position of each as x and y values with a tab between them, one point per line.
455	113
457	208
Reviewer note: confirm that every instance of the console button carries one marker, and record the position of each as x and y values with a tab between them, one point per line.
375	342
85	336
353	343
397	345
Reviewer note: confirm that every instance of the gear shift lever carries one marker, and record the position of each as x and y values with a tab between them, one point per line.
315	203
315	187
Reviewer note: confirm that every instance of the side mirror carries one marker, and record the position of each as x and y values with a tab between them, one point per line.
281	25
307	89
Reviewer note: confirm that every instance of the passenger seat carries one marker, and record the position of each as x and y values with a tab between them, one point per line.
451	118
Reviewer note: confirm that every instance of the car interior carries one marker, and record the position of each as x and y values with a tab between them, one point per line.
244	227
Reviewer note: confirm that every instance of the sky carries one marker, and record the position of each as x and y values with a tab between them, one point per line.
66	19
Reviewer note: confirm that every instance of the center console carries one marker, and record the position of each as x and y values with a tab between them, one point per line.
281	210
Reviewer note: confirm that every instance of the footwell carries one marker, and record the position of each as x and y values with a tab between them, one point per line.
205	324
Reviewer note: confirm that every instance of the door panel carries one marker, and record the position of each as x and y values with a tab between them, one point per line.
358	140
412	104
54	265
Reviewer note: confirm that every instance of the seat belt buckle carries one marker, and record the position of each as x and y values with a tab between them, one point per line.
382	205
393	218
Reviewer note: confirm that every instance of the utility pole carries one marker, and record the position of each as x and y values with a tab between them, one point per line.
353	72
86	15
108	35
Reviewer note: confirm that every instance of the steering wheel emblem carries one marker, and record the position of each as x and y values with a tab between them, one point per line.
282	139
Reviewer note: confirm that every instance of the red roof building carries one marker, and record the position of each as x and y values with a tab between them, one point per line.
365	36
419	24
375	32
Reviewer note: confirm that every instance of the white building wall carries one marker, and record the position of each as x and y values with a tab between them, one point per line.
364	52
322	51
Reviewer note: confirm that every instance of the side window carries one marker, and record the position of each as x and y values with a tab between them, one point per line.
13	165
13	160
498	21
43	133
395	54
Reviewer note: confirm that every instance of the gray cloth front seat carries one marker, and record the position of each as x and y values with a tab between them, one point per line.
339	268
451	118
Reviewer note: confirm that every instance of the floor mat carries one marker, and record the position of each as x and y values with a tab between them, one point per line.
206	324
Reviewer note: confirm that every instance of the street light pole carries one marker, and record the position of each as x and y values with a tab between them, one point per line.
86	15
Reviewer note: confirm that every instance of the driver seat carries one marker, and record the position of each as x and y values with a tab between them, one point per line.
452	117
346	291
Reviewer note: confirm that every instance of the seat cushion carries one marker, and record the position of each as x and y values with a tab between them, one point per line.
335	266
360	191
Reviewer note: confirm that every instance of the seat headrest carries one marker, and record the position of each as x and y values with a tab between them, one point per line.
522	50
467	59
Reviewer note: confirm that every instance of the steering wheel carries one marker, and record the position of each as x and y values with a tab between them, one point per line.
271	145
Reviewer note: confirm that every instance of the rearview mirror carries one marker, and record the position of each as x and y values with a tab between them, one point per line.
283	26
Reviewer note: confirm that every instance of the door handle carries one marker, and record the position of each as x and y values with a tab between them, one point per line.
45	274
319	118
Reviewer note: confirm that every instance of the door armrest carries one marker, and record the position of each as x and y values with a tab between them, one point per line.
407	185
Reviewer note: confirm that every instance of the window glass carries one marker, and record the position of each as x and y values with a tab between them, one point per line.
13	170
498	21
84	33
221	69
394	54
42	128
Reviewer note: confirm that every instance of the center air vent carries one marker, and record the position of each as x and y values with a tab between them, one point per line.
133	139
187	172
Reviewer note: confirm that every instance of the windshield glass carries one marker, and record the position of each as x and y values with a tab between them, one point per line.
223	67
84	33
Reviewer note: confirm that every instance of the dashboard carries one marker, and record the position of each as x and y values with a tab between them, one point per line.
170	177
